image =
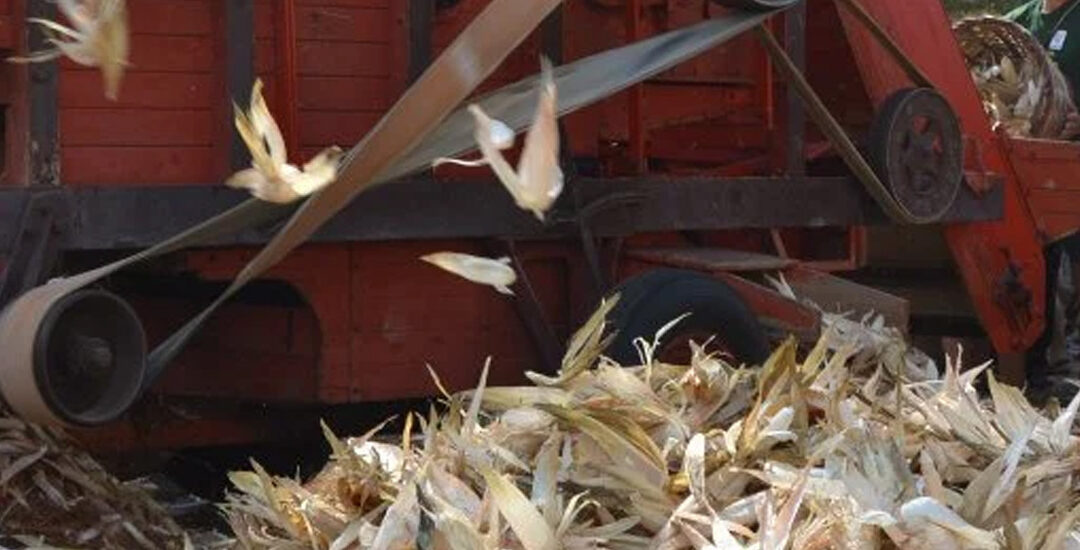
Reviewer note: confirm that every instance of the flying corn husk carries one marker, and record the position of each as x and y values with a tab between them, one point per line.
98	38
496	273
538	180
271	178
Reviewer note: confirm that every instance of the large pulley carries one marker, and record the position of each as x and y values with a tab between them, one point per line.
916	149
75	359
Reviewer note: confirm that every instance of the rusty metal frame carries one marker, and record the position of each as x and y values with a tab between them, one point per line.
774	310
427	209
529	309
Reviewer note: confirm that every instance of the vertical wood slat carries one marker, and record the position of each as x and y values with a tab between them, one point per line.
42	91
421	21
795	45
240	68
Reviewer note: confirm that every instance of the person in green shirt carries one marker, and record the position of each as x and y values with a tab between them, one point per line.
1056	25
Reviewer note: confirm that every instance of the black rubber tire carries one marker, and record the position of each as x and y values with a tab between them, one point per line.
652	299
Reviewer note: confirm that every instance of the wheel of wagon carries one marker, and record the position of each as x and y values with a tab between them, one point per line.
917	150
651	300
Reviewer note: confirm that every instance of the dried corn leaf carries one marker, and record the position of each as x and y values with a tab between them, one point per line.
496	273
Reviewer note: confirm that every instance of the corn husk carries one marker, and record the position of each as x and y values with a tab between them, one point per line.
1023	90
271	178
98	37
55	493
853	443
538	180
496	273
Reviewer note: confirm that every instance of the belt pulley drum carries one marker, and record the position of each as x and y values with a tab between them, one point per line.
70	358
916	148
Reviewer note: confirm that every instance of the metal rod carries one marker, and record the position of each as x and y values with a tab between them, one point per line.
832	129
551	36
795	45
531	312
636	107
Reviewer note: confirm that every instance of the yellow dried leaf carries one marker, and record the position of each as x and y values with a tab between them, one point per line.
528	525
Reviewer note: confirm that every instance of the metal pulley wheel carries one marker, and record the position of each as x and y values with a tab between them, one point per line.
76	359
917	150
755	5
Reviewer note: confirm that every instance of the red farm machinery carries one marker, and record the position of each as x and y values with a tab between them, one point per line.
841	143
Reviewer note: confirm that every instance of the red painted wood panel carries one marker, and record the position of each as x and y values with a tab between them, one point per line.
9	26
346	56
265	13
259	347
343	24
169	117
8	32
130	127
265	55
344	93
160	53
343	59
137	165
396	330
347	3
170	17
167	126
83	88
319	128
163	53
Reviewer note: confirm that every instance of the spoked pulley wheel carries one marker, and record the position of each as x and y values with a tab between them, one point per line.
917	150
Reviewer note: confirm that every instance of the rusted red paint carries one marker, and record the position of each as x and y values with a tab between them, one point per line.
1046	172
983	251
374	314
775	309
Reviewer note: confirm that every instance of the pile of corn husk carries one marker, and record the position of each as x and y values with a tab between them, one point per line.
53	493
1023	90
853	444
